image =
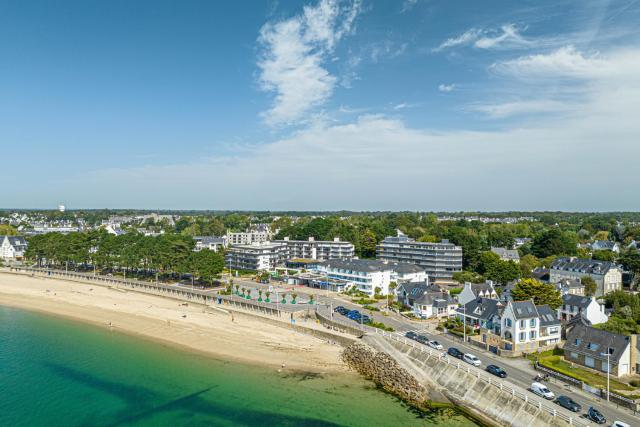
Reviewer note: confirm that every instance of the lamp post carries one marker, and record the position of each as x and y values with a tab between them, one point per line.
464	327
608	371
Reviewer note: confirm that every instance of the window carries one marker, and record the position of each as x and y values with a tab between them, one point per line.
523	324
593	346
554	330
532	335
532	323
522	336
577	341
611	350
588	361
507	322
574	355
605	367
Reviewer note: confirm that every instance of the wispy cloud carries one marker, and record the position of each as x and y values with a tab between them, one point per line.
508	109
292	57
507	37
446	88
408	5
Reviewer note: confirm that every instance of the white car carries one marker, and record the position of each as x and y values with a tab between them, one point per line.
435	344
542	390
471	359
619	424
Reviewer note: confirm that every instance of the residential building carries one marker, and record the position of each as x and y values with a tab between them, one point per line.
318	249
12	248
472	291
520	241
506	254
405	272
439	260
607	275
578	305
248	237
570	287
605	245
256	257
426	301
512	327
365	275
114	229
212	243
599	349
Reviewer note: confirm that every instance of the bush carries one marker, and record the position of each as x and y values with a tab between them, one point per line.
635	383
364	301
370	307
382	326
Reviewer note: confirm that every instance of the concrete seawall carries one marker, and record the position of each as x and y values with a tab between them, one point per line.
499	401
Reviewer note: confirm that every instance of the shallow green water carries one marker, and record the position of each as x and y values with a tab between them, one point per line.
55	372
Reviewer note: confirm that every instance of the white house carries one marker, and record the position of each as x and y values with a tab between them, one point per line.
472	291
426	300
587	307
12	248
209	242
507	254
526	328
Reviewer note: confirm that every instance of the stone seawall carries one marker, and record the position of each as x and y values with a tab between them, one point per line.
499	401
385	371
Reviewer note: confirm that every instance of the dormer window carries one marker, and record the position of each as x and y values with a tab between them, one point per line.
593	346
577	341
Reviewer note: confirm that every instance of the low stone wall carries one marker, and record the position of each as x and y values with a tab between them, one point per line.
386	373
337	326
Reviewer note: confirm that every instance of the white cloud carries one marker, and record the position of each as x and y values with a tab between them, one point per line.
446	88
408	5
507	37
292	56
507	109
566	61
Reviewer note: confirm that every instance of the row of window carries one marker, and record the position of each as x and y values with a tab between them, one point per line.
523	323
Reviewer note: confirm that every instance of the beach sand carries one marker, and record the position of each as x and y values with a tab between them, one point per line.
241	338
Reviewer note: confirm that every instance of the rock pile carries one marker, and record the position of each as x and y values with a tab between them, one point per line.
386	373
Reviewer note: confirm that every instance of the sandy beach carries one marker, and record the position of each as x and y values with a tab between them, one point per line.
215	333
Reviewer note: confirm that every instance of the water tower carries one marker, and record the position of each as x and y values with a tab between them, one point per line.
62	207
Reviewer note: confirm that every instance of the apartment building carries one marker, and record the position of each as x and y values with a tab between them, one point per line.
248	237
256	257
211	243
607	275
439	260
321	250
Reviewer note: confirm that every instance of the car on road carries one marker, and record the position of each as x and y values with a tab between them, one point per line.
422	339
568	403
471	359
365	319
435	344
452	351
497	371
411	335
339	309
619	424
596	416
542	390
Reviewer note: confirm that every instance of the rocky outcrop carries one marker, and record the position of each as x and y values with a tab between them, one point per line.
383	370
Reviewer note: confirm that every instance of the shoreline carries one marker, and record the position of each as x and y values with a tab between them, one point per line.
234	337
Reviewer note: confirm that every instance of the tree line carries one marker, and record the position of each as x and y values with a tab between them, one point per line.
168	255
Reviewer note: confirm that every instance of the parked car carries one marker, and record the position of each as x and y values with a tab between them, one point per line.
497	371
471	359
452	351
568	403
422	339
435	344
619	424
596	416
411	335
542	390
339	309
365	319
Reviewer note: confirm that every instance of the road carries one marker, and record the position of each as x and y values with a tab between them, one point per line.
519	370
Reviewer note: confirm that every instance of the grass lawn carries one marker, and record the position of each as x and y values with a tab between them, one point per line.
549	360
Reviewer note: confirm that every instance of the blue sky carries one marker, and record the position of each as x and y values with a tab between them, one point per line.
321	105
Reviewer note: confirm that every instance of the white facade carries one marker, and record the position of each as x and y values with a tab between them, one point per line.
590	310
318	249
257	257
12	248
472	291
607	276
364	275
248	237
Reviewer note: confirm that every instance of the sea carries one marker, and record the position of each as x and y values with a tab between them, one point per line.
59	372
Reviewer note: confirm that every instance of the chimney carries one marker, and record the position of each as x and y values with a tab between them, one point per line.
336	239
286	239
634	353
312	239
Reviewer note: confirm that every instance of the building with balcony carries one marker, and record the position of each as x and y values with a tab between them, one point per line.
439	260
256	257
321	250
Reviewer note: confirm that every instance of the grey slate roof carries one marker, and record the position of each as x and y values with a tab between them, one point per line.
481	308
582	265
593	342
509	254
406	268
364	265
603	245
548	316
576	300
437	299
524	309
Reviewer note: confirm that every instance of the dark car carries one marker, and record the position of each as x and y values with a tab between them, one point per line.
455	352
422	339
594	415
339	309
411	335
568	403
497	371
353	313
365	319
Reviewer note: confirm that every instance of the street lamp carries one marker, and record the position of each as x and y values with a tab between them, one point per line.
464	327
608	370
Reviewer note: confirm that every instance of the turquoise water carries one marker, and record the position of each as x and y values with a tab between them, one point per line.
55	372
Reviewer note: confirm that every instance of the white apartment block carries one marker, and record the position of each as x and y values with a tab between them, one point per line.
248	237
318	249
256	257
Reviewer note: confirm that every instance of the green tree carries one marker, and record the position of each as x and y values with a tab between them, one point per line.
493	268
604	255
541	293
590	285
528	263
554	242
368	243
465	276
